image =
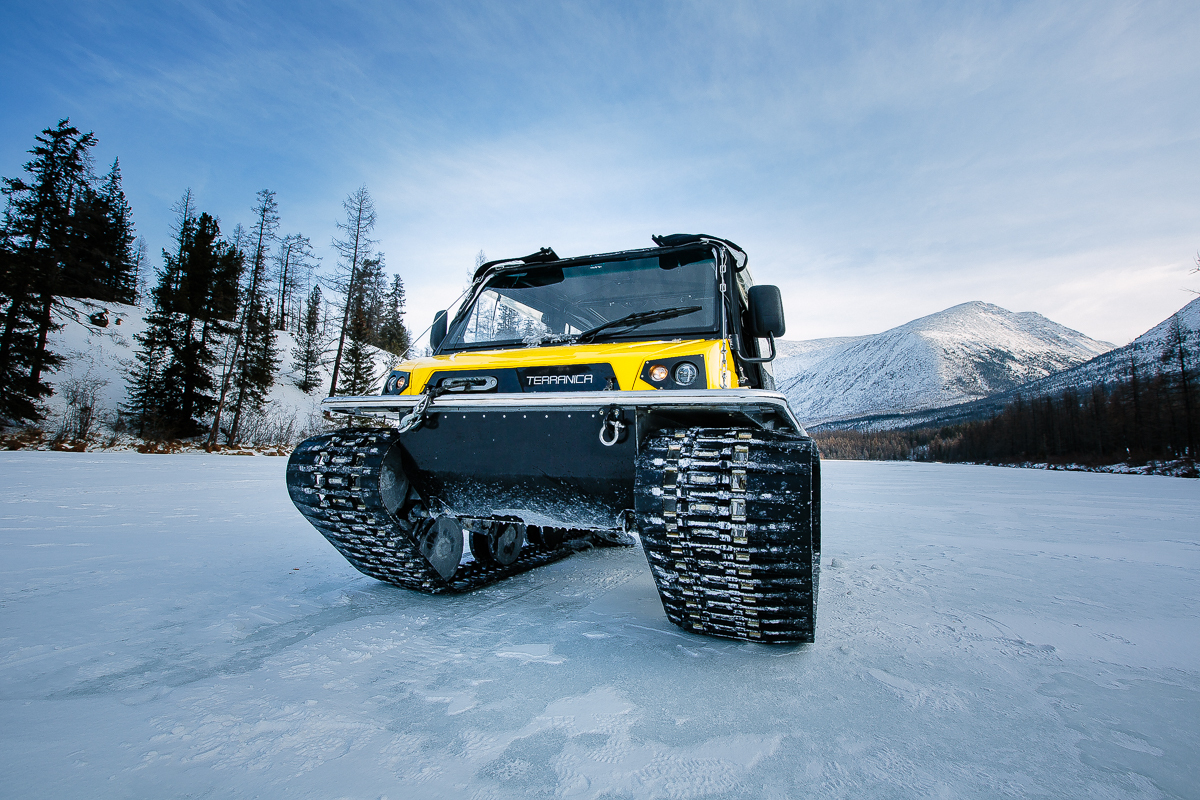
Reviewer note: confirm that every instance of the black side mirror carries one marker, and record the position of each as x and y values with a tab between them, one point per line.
766	312
438	332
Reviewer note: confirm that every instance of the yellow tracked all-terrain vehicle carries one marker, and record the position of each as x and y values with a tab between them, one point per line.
569	403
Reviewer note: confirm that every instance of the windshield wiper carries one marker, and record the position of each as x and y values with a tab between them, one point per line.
638	319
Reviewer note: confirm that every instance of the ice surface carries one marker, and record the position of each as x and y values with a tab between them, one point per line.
172	627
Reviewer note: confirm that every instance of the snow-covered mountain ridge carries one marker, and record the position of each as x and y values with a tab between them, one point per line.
965	353
1107	368
1114	365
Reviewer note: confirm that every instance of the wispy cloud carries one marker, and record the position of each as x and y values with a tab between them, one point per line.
879	161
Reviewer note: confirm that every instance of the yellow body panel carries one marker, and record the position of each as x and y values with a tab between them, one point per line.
626	359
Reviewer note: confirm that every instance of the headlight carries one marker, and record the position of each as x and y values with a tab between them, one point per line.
681	372
685	373
396	383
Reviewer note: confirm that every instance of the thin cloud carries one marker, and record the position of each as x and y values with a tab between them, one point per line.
878	161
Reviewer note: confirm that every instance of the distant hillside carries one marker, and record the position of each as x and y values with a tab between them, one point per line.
964	353
1108	367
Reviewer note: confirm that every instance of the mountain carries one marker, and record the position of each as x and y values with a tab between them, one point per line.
1114	365
964	353
1108	367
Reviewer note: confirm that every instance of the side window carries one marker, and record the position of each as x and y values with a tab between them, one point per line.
498	318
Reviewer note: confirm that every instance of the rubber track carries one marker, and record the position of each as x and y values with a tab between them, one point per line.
334	481
730	520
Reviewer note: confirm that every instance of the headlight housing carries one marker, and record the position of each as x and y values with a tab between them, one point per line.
396	382
686	372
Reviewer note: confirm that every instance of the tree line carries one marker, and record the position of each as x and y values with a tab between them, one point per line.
1151	413
208	355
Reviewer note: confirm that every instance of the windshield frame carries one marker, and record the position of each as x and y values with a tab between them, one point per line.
700	332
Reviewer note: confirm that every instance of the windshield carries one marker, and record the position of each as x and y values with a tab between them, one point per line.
555	303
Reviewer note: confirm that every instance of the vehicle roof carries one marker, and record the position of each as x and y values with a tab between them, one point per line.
665	244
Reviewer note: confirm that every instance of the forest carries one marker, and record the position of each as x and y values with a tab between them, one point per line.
208	355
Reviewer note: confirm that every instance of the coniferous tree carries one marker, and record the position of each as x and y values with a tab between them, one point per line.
100	258
358	376
144	384
118	248
141	270
172	384
206	301
352	250
19	337
372	285
37	239
309	352
294	264
254	342
1177	355
392	334
260	361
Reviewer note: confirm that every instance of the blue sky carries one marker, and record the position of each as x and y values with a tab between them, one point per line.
879	161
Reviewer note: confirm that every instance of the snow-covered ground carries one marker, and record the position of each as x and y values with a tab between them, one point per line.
172	627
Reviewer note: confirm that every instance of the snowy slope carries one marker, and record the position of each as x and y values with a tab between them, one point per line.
963	353
1114	365
172	627
1109	367
101	357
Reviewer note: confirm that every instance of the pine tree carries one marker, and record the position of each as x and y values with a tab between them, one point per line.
254	343
359	375
171	386
17	281
309	352
392	334
118	246
99	259
38	237
294	264
260	361
141	270
1177	354
372	284
206	301
353	250
145	380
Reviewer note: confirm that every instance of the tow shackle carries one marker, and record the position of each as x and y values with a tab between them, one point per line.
611	424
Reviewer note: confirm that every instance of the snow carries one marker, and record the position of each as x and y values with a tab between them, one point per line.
1109	367
173	627
961	354
102	356
1113	366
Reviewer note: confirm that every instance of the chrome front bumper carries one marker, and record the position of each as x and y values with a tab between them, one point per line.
753	403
